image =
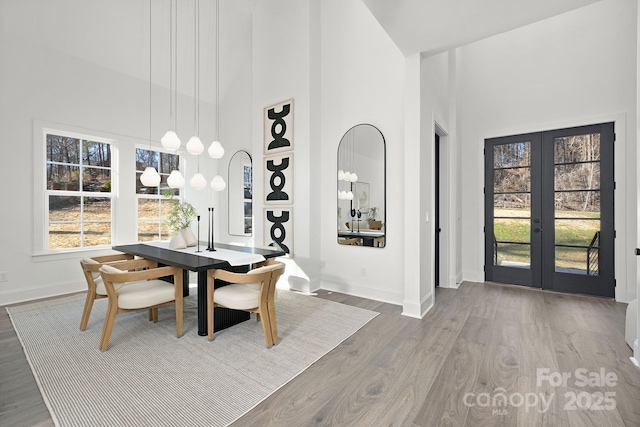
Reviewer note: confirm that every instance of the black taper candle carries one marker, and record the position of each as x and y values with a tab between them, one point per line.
209	230
198	234
211	247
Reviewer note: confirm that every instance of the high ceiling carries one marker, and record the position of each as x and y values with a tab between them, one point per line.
433	26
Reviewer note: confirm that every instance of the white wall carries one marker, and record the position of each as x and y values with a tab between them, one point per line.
284	48
362	81
574	69
45	80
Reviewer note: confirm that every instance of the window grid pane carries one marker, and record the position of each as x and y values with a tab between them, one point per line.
77	166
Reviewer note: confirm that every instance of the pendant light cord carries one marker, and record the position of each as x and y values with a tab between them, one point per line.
150	86
217	70
196	77
175	76
171	64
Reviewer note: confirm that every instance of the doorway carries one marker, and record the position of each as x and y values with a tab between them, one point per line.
438	230
549	200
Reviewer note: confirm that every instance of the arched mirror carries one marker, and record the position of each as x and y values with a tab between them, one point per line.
362	187
240	195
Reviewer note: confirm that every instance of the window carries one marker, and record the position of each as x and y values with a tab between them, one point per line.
153	203
78	196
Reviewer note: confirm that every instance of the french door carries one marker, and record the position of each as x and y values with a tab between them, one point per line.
549	210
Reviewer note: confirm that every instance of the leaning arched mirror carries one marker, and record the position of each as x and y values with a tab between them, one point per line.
362	187
240	195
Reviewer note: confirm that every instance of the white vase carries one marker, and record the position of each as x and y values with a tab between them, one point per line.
188	237
177	242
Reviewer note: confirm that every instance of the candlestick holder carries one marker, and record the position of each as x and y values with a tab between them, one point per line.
210	238
198	248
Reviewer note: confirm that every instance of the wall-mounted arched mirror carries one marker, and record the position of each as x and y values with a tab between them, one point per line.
240	195
362	187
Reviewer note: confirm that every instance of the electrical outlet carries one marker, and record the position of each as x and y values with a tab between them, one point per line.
363	272
4	276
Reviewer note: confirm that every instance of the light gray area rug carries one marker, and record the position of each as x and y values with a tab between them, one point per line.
148	377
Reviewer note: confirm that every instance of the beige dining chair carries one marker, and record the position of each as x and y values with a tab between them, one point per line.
253	292
136	285
95	285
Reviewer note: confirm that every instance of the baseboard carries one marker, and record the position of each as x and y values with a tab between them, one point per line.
418	310
362	292
454	285
25	294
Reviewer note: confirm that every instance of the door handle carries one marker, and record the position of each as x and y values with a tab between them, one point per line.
537	229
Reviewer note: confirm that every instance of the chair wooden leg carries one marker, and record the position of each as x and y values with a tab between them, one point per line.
109	321
266	327
179	309
150	314
210	308
88	305
155	314
272	321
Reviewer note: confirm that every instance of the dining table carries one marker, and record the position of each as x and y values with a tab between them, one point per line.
368	236
200	260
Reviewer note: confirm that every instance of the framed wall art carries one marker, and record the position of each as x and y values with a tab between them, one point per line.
278	127
278	179
278	227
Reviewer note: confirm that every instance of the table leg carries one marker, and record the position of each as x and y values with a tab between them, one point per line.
185	283
223	317
202	303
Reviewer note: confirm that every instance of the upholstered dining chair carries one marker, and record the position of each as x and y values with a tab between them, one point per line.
253	292
136	285
95	285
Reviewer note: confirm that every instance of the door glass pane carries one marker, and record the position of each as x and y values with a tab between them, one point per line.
578	176
512	155
577	204
578	260
512	205
510	180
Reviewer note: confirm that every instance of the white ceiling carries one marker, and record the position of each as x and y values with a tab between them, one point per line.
433	26
115	33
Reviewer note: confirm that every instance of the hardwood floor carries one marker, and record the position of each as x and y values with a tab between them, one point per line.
479	343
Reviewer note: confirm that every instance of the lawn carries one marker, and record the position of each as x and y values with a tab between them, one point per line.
577	231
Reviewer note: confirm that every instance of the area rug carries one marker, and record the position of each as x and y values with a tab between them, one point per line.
148	377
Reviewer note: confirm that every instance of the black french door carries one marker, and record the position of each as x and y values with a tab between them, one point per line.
549	220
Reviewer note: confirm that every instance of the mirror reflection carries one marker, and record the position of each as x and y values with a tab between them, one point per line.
240	195
362	187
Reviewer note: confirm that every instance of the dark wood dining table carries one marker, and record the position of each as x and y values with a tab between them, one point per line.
367	236
201	264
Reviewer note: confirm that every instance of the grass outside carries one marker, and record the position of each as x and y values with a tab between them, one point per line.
67	234
577	231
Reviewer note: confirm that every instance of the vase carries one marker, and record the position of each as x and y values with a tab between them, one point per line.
188	236
177	242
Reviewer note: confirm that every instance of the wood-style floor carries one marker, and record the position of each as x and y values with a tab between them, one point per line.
479	343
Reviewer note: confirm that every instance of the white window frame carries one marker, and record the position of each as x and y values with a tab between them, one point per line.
41	193
155	196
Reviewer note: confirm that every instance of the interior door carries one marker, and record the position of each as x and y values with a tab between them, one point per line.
438	230
549	210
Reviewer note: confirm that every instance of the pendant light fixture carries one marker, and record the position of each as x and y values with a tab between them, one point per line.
170	140
217	183
194	145
150	176
216	151
198	182
175	180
